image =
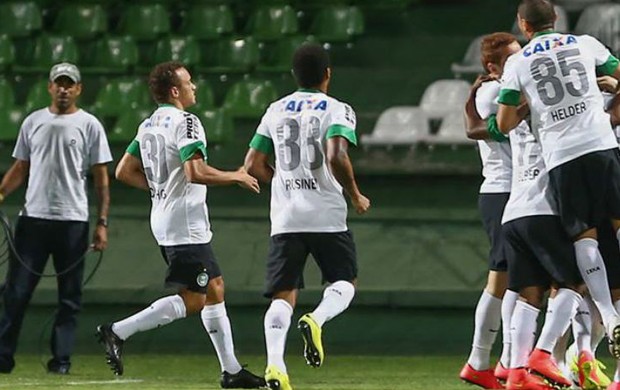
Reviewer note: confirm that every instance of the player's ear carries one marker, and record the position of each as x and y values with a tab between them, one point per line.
174	92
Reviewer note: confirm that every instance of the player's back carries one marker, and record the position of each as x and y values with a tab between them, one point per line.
305	195
557	73
167	139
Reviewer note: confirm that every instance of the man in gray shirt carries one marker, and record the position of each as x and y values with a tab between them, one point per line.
56	148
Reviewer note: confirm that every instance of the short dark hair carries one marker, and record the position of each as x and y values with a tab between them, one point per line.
492	45
310	63
540	14
162	78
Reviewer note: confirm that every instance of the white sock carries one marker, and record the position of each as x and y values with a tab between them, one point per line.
582	327
559	353
336	298
593	272
486	325
523	333
558	317
277	322
161	312
216	323
508	307
598	330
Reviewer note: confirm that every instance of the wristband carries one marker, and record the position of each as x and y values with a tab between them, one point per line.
102	222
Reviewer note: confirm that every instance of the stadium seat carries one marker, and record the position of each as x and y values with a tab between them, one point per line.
249	98
7	52
204	95
268	23
20	19
121	95
400	125
471	61
451	131
126	127
601	21
7	97
338	24
145	22
561	24
10	122
45	51
236	55
207	21
279	59
111	55
218	126
443	97
577	5
184	49
81	21
38	96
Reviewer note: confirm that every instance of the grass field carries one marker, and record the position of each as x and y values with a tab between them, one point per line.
202	372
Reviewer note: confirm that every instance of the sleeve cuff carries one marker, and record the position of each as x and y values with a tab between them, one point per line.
509	97
494	131
134	148
262	144
188	151
342	131
609	67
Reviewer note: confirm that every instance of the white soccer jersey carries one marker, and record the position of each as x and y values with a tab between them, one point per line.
608	97
557	74
305	196
496	156
530	194
165	140
61	150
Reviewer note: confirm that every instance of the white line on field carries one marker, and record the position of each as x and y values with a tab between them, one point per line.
108	382
21	384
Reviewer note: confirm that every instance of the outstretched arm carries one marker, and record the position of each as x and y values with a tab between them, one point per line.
199	172
340	164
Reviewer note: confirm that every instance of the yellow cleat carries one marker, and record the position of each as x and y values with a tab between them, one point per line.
276	379
313	346
590	372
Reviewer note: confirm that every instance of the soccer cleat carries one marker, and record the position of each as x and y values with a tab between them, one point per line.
613	335
113	348
244	379
485	378
276	379
542	363
58	367
501	372
313	345
614	386
520	379
588	372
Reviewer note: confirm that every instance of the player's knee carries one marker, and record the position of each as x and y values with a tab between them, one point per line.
194	302
215	291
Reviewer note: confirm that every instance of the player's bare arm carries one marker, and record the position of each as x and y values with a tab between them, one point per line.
14	178
507	118
475	128
129	170
257	164
102	188
199	172
341	168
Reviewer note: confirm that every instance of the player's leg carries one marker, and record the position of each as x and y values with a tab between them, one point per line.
68	252
31	241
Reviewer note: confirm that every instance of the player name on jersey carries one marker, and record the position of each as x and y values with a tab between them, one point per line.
301	184
567	112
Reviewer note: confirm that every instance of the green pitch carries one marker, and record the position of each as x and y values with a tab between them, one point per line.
202	372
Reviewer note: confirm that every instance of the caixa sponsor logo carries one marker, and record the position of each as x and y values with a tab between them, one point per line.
549	44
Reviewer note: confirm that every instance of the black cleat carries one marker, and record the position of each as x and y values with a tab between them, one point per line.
58	367
113	347
244	379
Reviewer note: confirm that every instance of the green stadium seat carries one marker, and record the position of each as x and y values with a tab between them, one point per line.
338	24
269	23
45	51
20	19
38	96
7	52
235	55
279	58
121	95
111	55
208	21
180	48
126	127
81	21
218	126
7	96
10	122
249	98
145	22
204	95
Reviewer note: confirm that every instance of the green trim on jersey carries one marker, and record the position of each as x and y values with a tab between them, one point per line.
609	67
509	97
494	131
262	143
544	32
309	90
188	151
134	149
342	131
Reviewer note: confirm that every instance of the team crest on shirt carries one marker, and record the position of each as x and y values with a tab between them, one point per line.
202	279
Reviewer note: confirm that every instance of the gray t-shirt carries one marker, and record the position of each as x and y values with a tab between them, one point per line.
61	150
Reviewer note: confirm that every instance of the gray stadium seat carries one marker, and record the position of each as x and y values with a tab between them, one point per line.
603	22
400	125
577	5
443	97
471	61
452	131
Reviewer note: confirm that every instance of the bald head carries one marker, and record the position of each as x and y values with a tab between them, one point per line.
539	14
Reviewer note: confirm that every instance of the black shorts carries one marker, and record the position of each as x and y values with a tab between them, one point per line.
608	246
539	251
491	208
334	253
190	266
587	190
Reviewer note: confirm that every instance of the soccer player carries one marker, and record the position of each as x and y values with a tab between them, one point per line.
495	301
168	159
56	147
556	74
310	133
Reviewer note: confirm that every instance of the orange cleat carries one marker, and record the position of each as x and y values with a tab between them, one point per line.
501	372
542	363
520	379
614	386
484	379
